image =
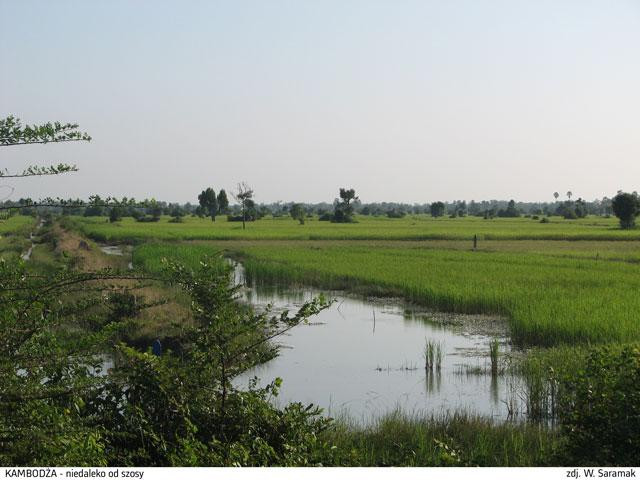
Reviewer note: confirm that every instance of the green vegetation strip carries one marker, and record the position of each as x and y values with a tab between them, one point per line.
548	300
459	440
14	233
417	227
17	224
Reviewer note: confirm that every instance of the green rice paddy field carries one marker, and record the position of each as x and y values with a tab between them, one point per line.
583	289
13	235
416	227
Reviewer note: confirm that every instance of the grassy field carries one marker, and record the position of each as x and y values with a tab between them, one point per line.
15	224
415	227
14	233
557	283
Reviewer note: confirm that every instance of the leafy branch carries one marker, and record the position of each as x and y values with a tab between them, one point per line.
39	171
12	132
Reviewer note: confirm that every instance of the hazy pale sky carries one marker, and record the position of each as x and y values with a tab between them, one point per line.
403	100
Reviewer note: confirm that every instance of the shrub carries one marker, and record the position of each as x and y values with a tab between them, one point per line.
600	408
147	218
238	218
393	213
626	207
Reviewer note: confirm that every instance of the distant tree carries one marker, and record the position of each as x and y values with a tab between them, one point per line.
263	211
569	194
155	210
223	201
510	211
626	207
580	208
489	214
556	195
243	196
115	215
176	214
343	211
474	208
347	195
251	211
297	212
209	203
461	208
437	209
396	213
95	209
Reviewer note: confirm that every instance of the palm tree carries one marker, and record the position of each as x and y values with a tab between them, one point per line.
556	195
569	194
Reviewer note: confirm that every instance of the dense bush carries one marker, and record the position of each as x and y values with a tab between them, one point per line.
396	213
626	207
600	411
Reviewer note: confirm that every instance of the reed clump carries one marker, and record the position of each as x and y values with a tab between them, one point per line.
433	355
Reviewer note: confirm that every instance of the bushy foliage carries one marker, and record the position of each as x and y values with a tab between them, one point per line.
343	210
437	209
185	410
626	207
393	213
511	210
47	371
600	414
297	212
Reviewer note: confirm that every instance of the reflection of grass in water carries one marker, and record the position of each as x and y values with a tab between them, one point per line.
494	348
470	370
405	367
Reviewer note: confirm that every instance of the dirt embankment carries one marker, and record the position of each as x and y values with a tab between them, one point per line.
164	321
85	254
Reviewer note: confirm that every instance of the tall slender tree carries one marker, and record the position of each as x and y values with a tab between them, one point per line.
209	203
223	201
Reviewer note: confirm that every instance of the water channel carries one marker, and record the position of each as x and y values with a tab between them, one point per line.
365	357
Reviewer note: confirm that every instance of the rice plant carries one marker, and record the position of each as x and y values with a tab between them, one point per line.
432	355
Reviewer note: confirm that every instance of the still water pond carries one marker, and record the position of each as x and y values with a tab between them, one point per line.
365	357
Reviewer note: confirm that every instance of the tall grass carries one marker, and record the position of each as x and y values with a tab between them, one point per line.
18	224
457	440
433	355
14	233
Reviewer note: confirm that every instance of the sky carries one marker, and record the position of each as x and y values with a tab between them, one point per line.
407	101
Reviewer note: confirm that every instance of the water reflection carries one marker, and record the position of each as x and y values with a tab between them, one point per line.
366	357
